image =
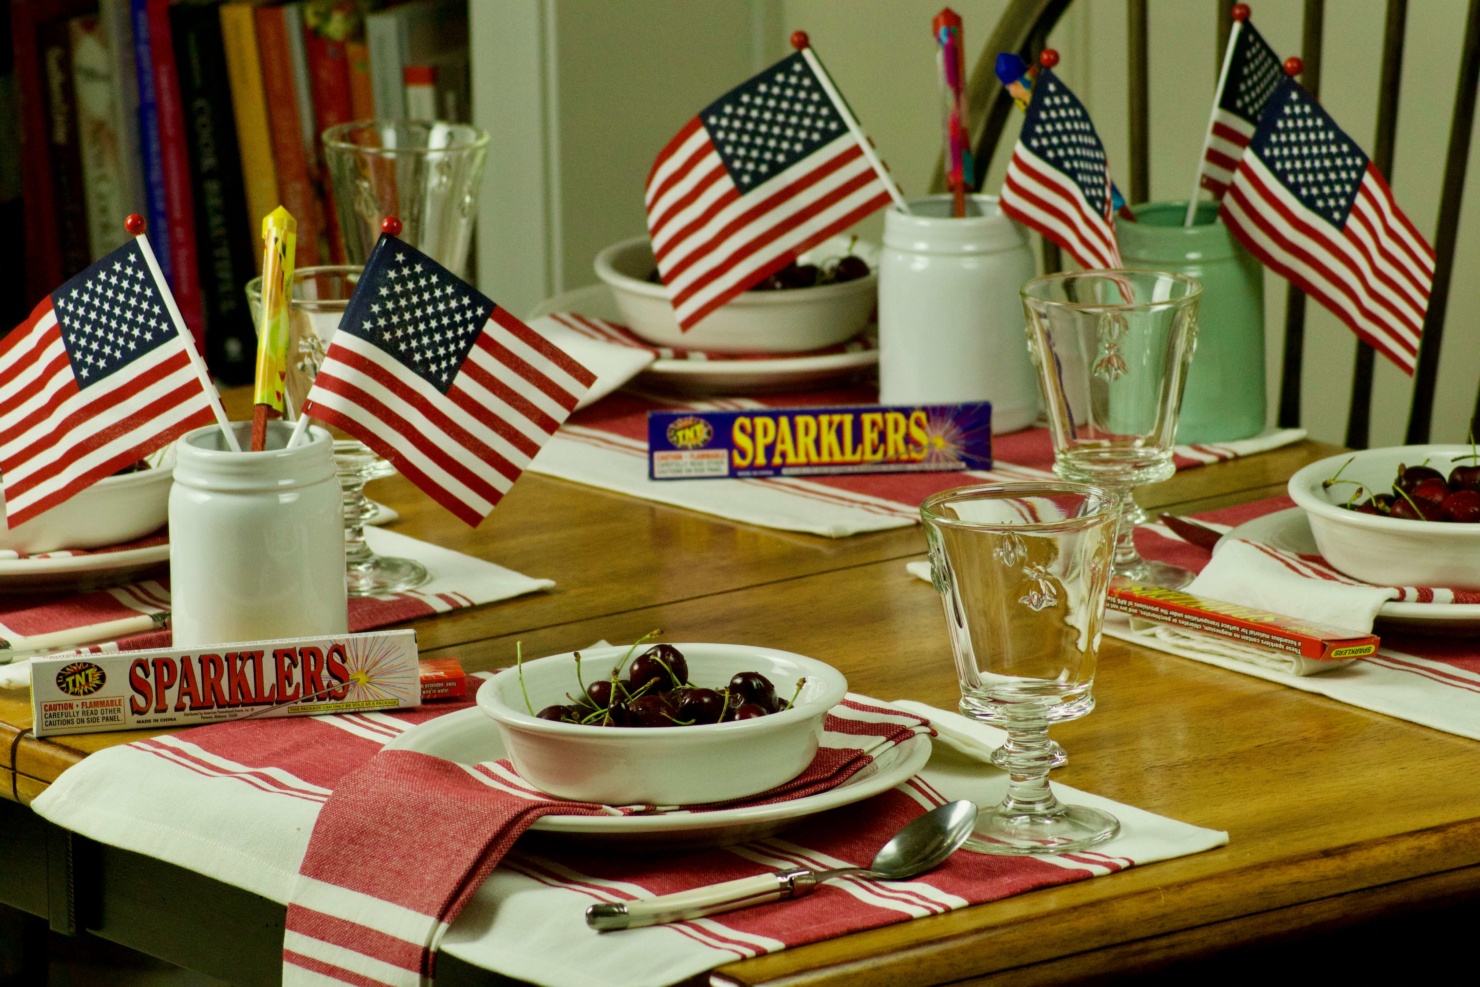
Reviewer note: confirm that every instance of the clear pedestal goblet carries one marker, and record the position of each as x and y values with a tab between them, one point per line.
1022	570
319	296
1112	350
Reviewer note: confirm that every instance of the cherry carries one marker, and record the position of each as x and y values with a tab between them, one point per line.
1465	478
652	710
1432	490
1462	506
558	713
600	693
662	665
850	268
749	711
753	687
701	706
1417	510
1411	476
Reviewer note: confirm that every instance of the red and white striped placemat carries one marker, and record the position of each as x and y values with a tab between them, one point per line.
606	446
237	802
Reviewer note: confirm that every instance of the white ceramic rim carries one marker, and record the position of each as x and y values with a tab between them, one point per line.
1307	480
608	273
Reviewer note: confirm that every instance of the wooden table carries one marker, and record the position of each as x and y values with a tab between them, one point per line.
1337	817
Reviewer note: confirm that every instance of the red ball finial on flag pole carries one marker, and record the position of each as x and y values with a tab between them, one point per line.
134	224
799	40
1240	11
391	225
1294	66
1048	58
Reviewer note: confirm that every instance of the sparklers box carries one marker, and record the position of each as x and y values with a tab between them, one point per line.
691	445
138	690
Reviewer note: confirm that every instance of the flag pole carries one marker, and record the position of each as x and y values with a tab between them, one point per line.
1240	14
800	42
136	226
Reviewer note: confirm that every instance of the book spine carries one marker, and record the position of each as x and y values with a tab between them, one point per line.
98	140
328	69
249	107
118	24
294	182
385	38
64	155
149	146
361	98
174	163
221	231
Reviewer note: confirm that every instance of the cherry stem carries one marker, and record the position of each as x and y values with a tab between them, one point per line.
519	666
798	691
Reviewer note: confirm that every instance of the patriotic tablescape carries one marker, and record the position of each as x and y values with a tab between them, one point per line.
773	167
273	784
452	389
1251	72
1310	204
101	374
1058	180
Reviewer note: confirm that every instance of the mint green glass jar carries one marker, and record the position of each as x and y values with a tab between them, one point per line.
1224	397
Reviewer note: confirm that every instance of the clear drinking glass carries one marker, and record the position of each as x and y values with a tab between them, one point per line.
319	296
1112	350
426	173
1022	570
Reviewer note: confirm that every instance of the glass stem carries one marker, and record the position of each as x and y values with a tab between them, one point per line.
1029	756
1127	559
357	508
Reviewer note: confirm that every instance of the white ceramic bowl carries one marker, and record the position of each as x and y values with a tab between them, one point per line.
791	321
114	510
670	765
1382	550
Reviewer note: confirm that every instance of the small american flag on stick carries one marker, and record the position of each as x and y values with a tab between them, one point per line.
96	379
1251	74
1058	181
1307	202
446	385
770	169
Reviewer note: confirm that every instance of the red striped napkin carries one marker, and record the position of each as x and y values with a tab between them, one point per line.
366	911
1428	668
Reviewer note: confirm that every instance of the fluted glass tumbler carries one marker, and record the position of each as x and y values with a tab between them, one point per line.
426	173
1022	570
319	296
1112	349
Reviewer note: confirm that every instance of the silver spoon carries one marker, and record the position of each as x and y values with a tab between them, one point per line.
922	845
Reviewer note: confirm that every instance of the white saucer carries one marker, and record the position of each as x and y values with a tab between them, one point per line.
779	373
469	736
1289	531
93	570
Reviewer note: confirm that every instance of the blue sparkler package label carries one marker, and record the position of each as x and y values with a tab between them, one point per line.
692	445
152	690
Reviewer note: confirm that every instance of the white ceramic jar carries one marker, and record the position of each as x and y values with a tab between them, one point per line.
256	539
950	322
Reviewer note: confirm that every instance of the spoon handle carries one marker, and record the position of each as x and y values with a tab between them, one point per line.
711	899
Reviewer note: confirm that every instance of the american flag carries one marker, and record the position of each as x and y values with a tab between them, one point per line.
1253	72
1058	181
93	381
439	380
1308	203
763	173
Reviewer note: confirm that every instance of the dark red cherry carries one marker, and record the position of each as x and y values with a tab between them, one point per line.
1418	510
1411	476
558	713
663	665
600	693
1432	490
701	706
753	687
1462	506
850	268
1465	478
654	709
749	711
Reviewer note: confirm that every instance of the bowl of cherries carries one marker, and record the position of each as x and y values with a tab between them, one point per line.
825	297
663	724
1400	516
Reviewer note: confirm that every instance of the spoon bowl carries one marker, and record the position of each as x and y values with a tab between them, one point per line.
922	845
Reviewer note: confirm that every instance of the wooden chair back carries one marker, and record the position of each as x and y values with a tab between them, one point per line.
1024	28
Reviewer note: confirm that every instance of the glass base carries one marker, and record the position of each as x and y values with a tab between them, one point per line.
1063	830
380	574
1146	573
1060	757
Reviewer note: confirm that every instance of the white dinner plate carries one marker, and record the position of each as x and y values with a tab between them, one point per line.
774	373
92	570
469	736
1289	531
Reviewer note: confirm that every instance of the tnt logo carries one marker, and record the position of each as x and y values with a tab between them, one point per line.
81	678
690	432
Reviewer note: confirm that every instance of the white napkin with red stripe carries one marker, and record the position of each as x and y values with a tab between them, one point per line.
364	908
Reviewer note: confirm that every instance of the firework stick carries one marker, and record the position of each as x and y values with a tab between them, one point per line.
279	239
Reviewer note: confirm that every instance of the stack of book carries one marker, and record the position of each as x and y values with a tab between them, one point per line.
204	115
